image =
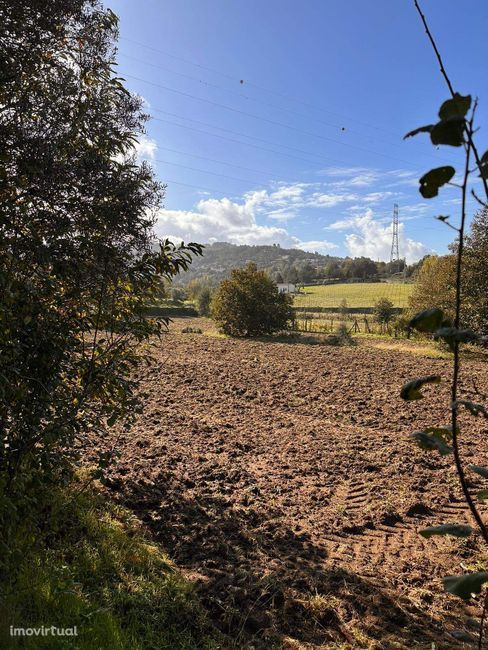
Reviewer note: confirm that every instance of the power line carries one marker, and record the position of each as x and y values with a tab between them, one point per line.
235	79
247	144
197	187
204	171
264	103
264	119
214	160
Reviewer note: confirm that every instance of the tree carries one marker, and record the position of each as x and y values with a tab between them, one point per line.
436	285
332	271
204	299
364	267
475	281
413	270
178	294
306	272
78	262
292	275
384	311
249	304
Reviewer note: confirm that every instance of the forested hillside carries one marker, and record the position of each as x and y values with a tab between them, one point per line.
287	264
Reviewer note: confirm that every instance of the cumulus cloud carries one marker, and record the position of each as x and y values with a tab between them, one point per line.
262	216
373	239
342	224
226	220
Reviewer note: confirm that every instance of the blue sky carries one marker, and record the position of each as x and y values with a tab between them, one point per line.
278	121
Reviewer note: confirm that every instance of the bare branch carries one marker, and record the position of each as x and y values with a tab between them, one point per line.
469	131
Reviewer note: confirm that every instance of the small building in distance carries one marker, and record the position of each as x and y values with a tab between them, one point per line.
286	287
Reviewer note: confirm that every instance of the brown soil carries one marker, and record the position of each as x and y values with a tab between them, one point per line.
280	477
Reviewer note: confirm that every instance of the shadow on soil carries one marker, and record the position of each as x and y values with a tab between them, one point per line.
265	586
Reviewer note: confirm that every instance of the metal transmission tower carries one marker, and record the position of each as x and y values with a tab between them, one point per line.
395	254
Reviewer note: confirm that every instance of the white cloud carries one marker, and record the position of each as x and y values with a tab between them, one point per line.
372	239
226	220
281	214
317	245
328	200
342	224
261	216
343	171
376	197
145	148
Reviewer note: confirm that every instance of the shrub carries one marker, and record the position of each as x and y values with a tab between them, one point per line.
401	324
204	300
341	336
384	311
249	304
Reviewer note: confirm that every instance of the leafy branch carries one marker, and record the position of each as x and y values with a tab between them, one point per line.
454	128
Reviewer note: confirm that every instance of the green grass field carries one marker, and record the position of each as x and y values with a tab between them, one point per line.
361	294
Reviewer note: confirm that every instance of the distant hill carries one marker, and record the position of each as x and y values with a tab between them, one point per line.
290	265
221	257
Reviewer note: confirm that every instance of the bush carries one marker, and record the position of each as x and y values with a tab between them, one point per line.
341	336
384	311
400	324
249	304
178	295
204	300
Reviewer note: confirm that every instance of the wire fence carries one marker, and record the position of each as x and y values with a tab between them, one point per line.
322	308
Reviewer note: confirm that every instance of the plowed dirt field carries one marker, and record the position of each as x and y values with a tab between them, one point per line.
280	478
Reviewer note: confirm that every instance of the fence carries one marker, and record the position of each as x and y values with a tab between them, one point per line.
356	324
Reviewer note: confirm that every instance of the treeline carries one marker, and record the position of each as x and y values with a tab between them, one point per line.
290	265
341	269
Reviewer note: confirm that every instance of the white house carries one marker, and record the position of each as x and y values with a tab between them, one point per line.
286	287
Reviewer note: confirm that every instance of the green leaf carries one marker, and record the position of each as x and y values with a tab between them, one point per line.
465	586
449	132
421	129
452	334
428	320
441	433
474	408
411	390
456	530
482	495
430	443
482	471
435	178
457	106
